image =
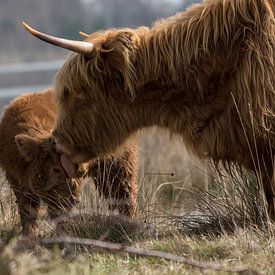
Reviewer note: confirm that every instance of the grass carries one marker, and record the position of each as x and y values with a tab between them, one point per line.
254	249
206	218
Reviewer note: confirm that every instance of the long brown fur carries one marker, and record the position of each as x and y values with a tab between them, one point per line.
206	74
33	168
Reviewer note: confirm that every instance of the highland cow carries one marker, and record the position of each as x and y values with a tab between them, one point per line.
207	74
37	172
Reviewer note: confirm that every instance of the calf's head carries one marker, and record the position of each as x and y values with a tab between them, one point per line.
50	175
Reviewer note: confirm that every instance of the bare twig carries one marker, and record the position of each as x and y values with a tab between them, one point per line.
124	249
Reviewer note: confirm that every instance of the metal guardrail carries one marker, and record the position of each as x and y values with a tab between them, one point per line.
31	67
16	91
17	79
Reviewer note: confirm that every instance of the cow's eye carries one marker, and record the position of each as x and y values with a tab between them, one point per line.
66	93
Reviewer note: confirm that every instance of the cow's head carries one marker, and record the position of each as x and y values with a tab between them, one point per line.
51	175
94	92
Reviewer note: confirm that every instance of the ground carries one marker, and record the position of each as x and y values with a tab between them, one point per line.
191	214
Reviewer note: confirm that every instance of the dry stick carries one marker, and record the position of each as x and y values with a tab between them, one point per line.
120	248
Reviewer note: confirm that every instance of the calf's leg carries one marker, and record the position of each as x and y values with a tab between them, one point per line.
29	206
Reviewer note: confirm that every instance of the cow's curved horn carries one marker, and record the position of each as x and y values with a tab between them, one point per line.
83	34
72	45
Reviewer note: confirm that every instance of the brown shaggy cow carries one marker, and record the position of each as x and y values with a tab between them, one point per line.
207	74
35	170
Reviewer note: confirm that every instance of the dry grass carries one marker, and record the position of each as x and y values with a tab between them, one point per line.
193	213
230	203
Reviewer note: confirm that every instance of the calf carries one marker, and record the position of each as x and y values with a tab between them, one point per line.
37	172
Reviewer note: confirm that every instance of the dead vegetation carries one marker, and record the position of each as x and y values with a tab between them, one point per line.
231	202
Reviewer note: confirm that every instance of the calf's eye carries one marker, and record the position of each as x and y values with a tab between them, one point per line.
56	170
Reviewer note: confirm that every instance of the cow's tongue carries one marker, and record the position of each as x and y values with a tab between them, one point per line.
68	166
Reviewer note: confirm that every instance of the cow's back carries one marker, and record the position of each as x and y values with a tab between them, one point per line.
31	114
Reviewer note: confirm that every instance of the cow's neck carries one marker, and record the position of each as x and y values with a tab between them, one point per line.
160	101
171	86
155	106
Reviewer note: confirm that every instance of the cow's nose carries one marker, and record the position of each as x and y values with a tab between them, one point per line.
55	135
59	147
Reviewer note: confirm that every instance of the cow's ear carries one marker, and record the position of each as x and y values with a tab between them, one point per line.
117	54
29	147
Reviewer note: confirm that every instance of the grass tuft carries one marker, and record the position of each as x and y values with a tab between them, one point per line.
230	202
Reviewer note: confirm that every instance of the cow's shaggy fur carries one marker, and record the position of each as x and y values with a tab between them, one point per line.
33	166
207	74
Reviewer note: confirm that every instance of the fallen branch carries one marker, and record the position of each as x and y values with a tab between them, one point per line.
120	248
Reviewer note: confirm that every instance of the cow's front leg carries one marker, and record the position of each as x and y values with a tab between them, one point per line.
115	179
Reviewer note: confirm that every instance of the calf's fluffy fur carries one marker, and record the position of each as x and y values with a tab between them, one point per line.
33	166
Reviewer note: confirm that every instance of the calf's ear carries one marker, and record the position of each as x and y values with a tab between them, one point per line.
29	147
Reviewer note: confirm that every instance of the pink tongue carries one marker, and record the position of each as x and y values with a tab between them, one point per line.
68	166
